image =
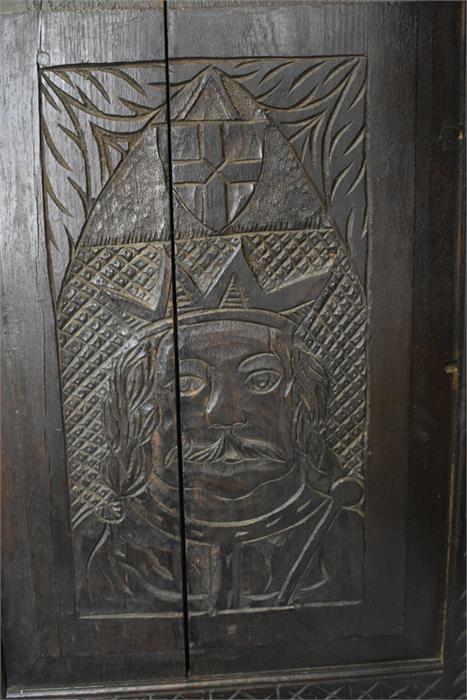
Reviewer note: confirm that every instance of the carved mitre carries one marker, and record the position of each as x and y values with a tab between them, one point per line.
253	241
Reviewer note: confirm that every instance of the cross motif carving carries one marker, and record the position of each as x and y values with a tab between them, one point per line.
216	166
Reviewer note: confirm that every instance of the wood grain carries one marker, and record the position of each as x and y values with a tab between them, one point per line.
49	579
305	145
389	151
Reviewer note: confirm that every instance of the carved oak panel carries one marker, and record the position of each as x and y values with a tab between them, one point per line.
270	216
227	467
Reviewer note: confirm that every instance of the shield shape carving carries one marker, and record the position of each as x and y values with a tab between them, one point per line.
217	150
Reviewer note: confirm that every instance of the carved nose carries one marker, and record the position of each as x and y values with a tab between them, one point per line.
222	411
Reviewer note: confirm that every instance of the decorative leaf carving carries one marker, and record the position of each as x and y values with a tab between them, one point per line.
90	117
324	126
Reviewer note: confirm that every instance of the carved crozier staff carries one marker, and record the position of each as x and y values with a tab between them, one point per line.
344	493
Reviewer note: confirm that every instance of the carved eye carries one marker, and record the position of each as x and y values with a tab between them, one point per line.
191	385
263	380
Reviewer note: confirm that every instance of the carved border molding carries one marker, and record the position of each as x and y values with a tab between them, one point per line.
409	679
398	687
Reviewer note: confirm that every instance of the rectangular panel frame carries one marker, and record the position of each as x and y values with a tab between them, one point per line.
438	85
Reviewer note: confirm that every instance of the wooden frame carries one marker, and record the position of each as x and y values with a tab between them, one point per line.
45	40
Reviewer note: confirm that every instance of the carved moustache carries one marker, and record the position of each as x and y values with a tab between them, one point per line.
230	449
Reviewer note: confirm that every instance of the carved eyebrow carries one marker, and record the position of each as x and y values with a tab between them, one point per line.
194	366
264	360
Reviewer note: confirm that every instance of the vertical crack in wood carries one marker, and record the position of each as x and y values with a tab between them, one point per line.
183	554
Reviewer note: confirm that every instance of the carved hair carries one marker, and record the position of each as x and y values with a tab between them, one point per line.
310	389
130	415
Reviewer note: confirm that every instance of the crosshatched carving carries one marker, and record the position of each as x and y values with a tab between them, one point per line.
403	687
268	168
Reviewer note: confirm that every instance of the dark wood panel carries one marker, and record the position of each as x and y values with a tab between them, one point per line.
26	312
437	340
271	324
316	177
217	296
81	291
410	680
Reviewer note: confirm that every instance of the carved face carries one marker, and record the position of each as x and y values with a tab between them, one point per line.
239	410
236	407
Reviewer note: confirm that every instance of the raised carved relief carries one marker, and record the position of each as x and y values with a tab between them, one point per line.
272	445
268	170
